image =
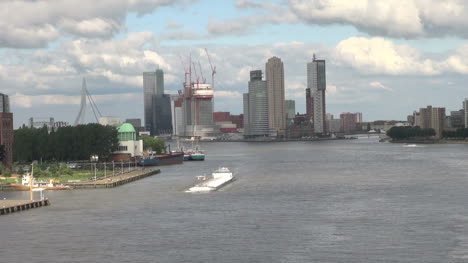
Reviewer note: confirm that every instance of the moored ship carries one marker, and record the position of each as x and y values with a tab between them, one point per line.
162	159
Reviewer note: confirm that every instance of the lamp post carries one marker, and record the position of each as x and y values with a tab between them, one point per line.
113	168
105	170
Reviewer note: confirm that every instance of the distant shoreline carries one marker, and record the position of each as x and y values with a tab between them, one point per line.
283	140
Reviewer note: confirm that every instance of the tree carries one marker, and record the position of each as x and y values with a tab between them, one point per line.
154	144
65	143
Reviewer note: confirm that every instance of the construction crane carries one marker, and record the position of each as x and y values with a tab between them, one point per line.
213	69
186	70
196	75
201	73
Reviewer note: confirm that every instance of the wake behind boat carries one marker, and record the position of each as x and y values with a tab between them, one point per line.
220	177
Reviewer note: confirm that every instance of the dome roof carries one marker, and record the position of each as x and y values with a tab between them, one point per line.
125	127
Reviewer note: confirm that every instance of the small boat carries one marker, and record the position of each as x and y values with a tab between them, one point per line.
194	155
162	159
410	145
220	178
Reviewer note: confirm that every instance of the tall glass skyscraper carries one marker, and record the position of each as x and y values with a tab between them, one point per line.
156	116
256	107
316	82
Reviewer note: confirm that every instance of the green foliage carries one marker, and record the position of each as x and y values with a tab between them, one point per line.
65	143
401	133
155	144
461	133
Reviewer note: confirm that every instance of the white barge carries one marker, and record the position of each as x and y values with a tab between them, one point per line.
220	177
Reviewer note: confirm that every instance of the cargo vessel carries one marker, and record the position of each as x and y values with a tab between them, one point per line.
220	178
162	159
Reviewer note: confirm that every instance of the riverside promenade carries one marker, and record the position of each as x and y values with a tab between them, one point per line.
12	206
114	181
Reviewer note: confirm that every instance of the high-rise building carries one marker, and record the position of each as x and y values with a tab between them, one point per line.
157	106
256	106
309	104
6	130
4	103
159	82
316	82
162	117
290	109
457	119
177	115
434	118
274	72
149	90
348	121
465	107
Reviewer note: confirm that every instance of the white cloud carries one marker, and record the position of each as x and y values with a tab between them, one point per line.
380	56
378	85
30	24
395	18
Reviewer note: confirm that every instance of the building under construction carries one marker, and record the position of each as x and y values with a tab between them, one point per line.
195	102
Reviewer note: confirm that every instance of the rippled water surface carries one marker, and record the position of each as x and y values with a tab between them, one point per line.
335	201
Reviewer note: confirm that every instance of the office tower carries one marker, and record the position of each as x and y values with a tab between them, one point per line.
162	117
465	107
6	131
157	107
159	82
149	90
457	119
309	104
290	109
256	107
316	82
274	72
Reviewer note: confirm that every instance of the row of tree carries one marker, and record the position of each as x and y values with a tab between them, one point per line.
64	144
406	132
461	133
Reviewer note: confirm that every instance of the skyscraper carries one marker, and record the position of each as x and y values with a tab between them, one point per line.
309	104
290	109
316	82
256	107
6	131
465	107
434	118
153	93
274	71
162	117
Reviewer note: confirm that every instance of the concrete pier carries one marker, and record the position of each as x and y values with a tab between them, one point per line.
12	206
114	181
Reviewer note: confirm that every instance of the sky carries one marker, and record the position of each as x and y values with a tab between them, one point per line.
385	58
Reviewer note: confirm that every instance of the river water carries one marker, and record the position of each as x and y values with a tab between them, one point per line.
332	201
